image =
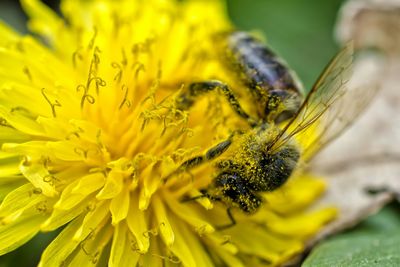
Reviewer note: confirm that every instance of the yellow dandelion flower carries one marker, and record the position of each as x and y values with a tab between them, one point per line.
89	131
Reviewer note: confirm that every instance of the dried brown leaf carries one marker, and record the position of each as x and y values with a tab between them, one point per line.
363	166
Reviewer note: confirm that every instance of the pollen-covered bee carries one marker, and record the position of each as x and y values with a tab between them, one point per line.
266	156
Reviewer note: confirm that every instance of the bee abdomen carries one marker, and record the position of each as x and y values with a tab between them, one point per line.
260	66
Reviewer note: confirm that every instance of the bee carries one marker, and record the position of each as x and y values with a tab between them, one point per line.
266	155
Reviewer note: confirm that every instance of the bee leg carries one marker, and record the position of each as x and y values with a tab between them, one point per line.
203	195
218	149
231	218
187	98
188	199
212	153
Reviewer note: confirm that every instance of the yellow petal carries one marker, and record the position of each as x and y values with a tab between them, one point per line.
77	191
36	173
296	195
180	248
167	233
60	217
120	206
122	252
190	216
91	248
21	198
228	258
94	219
19	232
303	225
68	150
7	35
62	246
33	150
112	187
7	155
88	184
267	246
9	184
9	167
11	135
43	20
151	184
221	241
137	225
118	244
22	123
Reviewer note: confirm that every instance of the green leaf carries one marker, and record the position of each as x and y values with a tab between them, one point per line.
375	242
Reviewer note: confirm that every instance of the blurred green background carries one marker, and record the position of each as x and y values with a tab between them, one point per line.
300	31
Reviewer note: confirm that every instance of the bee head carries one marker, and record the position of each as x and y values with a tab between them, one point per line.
273	170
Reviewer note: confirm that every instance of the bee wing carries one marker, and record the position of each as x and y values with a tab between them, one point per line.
329	108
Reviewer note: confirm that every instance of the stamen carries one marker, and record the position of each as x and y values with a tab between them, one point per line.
27	73
99	142
152	91
202	230
117	22
75	56
227	240
52	105
86	96
99	82
95	257
76	133
26	161
50	179
142	47
20	46
171	258
149	232
117	76
41	207
134	245
124	60
83	242
91	43
46	161
139	67
70	135
3	122
91	206
125	101
96	60
35	191
24	111
81	152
